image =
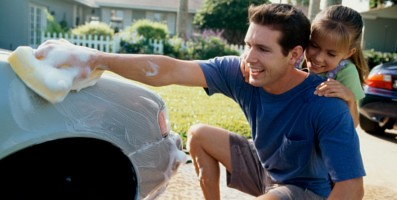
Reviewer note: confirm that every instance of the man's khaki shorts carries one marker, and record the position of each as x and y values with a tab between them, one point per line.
250	177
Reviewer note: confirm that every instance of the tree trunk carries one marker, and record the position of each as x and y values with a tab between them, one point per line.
314	8
332	2
182	17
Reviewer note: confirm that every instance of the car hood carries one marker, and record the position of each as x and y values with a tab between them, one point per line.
101	111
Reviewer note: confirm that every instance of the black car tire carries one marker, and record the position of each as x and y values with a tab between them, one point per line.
370	126
68	169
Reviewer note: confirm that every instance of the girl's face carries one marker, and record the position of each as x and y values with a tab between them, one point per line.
323	54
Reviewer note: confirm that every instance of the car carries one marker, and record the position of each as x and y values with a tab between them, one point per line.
378	109
108	141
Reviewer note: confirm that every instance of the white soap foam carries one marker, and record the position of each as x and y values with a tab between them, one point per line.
54	71
63	75
55	79
153	70
59	56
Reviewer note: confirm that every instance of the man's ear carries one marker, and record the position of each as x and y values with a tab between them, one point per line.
296	55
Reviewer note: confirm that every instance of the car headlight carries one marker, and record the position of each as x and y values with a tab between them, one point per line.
164	122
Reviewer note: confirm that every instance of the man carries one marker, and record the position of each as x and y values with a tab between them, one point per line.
304	146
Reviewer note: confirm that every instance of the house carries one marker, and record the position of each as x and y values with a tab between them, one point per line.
380	32
23	21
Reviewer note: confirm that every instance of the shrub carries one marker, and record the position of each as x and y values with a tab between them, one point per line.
94	29
375	58
149	29
135	39
64	25
140	47
52	25
198	48
179	48
209	47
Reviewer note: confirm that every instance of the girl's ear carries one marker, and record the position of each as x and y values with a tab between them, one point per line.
351	52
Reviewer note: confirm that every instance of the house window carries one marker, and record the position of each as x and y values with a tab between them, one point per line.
37	24
116	19
117	14
160	17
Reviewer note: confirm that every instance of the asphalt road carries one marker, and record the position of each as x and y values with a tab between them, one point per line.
380	160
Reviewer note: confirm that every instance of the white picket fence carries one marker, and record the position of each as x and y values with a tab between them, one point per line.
107	44
239	48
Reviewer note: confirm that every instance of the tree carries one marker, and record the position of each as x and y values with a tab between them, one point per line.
380	3
332	2
230	16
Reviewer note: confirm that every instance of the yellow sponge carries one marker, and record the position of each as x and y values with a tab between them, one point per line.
51	83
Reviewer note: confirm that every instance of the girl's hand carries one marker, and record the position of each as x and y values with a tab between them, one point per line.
244	69
333	88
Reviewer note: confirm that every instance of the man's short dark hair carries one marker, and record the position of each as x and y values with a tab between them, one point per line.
289	20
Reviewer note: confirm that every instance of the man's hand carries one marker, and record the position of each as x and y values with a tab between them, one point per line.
63	54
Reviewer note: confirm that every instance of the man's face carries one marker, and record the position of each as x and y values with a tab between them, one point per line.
263	56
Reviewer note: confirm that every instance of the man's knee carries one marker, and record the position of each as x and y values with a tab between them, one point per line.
194	134
195	130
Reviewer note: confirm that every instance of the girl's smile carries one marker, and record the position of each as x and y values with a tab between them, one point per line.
324	54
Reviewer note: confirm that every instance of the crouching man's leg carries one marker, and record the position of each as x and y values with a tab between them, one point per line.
210	146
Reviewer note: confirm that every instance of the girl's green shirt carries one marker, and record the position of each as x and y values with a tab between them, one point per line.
349	77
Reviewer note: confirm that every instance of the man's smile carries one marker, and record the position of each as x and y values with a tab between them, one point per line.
256	71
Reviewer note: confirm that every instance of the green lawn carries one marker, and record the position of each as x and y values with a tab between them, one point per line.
188	106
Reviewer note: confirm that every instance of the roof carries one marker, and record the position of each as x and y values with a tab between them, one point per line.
387	12
163	5
90	3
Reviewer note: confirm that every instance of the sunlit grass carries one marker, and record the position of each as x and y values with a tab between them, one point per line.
188	106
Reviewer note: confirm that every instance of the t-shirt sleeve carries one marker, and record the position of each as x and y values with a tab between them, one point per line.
349	77
339	143
223	75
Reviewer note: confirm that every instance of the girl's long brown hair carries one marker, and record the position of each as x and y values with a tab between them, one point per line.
345	26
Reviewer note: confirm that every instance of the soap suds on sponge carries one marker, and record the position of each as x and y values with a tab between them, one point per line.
50	82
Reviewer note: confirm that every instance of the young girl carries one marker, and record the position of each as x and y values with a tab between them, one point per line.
335	52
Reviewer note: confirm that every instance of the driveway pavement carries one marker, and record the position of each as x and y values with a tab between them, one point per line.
184	185
380	162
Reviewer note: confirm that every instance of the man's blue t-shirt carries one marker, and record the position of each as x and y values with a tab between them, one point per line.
301	138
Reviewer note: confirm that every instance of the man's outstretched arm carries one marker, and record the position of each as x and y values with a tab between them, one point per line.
156	70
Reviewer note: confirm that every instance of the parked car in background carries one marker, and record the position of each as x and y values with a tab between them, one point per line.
378	109
108	141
